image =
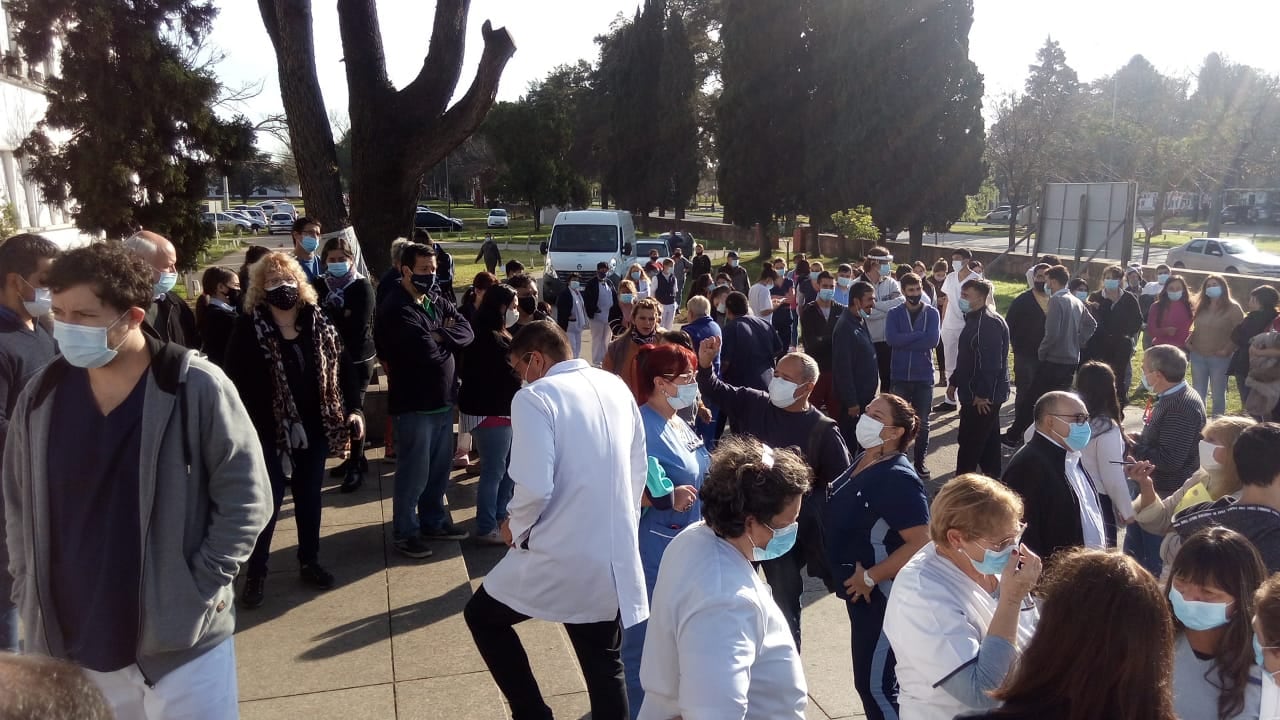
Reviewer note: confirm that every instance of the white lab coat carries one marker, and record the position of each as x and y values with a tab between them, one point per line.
936	620
717	644
578	462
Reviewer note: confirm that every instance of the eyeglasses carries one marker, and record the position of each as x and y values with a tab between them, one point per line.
1007	543
682	379
1077	418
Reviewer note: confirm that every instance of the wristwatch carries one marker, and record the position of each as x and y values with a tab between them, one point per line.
866	578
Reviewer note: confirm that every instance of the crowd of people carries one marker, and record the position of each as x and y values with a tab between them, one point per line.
663	492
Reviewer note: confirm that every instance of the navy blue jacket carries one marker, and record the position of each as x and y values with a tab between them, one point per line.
913	341
982	358
419	350
855	373
665	289
750	348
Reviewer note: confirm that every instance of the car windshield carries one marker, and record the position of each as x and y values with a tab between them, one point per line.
1235	247
282	217
584	238
497	212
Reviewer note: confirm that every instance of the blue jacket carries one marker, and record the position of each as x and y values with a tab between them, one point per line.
854	370
982	358
749	351
701	329
912	342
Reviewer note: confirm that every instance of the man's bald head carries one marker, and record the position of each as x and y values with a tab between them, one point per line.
1056	403
154	249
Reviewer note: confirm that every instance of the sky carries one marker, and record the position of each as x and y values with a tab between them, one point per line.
1098	36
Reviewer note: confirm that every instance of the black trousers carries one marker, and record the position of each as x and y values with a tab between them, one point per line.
1024	403
978	441
1049	376
884	359
597	645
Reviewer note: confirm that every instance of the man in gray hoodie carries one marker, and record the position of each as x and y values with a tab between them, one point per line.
134	488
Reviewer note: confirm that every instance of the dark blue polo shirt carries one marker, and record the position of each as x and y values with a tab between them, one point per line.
95	533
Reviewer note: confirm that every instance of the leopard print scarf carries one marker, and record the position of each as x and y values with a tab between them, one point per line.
290	432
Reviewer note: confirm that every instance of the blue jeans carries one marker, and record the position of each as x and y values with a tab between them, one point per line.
424	450
920	394
1209	370
493	444
1144	547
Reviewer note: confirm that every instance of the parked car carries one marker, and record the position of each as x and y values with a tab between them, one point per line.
432	220
1000	214
1225	255
497	219
254	224
643	246
267	207
1236	214
679	239
281	221
257	216
225	222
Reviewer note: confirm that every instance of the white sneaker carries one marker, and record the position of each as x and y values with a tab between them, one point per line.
491	538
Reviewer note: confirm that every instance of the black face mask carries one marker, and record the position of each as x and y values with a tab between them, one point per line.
423	282
233	297
283	297
913	299
528	304
602	274
1039	287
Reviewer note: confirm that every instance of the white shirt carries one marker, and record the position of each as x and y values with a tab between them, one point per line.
759	299
717	645
1270	698
605	304
578	463
579	320
1108	478
1091	526
936	620
954	319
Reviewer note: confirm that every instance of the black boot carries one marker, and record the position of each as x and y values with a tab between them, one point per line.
340	469
353	481
254	592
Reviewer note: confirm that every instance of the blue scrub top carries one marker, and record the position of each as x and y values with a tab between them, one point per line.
680	452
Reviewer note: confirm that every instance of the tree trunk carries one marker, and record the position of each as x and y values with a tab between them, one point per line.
680	213
915	242
1013	221
1158	213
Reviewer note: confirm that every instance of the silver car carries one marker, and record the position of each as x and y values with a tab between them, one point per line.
1225	255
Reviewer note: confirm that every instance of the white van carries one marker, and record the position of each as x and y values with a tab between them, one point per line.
581	239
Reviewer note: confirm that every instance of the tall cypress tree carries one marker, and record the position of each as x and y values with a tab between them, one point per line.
677	156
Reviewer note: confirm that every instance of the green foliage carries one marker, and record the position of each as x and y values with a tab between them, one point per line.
261	172
856	224
980	203
136	109
531	138
677	166
9	221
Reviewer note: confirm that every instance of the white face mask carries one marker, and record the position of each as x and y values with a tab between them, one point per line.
512	316
867	432
782	393
957	265
1207	461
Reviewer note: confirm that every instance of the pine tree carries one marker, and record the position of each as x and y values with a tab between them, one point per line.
677	151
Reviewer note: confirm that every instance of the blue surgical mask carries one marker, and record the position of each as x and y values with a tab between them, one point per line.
635	275
573	285
1147	383
1111	283
165	283
1082	295
84	346
42	303
1257	651
338	269
1175	295
993	562
964	305
627	298
1162	278
1078	436
1213	291
885	269
783	540
310	243
844	282
1197	615
686	396
864	314
827	294
720	308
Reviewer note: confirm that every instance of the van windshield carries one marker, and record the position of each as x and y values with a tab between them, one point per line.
584	238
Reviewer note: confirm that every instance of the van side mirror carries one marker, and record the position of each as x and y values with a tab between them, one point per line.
626	248
542	247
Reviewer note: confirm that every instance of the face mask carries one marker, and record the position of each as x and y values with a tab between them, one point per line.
864	314
845	282
939	279
1197	615
867	432
1213	291
1078	436
84	346
827	294
667	272
1082	295
627	298
573	285
1162	278
992	563
686	396
783	540
733	262
283	297
423	282
1258	659
528	304
338	269
1111	283
512	317
1175	295
602	274
913	299
1207	460
720	308
1146	383
233	296
957	265
165	283
782	393
309	243
964	305
720	284
41	305
885	269
635	275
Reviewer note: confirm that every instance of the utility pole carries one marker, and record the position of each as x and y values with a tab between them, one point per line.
448	189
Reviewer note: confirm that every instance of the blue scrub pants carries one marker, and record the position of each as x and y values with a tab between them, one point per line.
654	539
874	665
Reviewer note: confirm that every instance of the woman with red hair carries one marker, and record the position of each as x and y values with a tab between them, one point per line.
665	383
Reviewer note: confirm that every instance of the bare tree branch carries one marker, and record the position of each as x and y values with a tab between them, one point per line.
367	80
430	91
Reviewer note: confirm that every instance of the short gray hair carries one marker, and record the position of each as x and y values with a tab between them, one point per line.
1169	361
699	306
397	247
809	366
1050	400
